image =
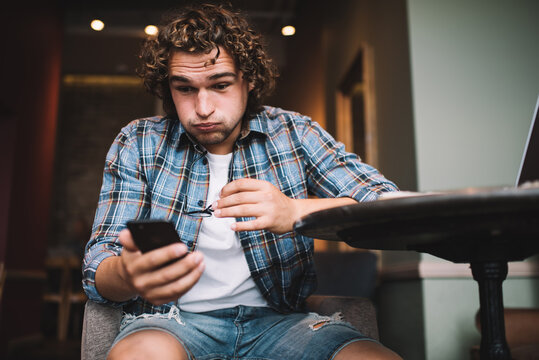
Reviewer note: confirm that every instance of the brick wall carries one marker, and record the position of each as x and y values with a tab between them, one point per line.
93	109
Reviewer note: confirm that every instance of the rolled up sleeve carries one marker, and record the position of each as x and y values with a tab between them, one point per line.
333	172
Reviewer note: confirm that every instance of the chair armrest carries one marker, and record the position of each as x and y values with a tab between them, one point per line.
358	311
100	326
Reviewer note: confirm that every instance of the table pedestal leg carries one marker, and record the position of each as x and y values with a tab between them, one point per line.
490	276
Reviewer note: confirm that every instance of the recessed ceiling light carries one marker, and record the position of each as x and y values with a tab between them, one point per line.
288	30
151	30
97	25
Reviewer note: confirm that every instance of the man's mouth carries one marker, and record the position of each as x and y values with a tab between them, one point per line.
206	126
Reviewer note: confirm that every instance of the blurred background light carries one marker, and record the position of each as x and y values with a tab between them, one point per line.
288	30
97	25
151	30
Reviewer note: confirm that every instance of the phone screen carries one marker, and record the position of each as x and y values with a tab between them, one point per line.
152	234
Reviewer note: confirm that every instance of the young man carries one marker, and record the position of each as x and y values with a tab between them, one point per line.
239	291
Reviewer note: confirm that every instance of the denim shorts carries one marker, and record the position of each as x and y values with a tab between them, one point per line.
252	333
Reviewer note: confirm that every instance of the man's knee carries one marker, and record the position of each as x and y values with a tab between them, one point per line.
366	350
148	344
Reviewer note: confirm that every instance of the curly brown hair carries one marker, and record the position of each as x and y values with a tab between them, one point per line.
202	28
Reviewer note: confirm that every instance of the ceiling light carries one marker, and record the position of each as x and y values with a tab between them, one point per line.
151	30
97	25
288	30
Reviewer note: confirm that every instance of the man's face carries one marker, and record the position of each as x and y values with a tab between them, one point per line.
210	99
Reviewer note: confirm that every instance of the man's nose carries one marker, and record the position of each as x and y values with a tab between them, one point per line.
204	105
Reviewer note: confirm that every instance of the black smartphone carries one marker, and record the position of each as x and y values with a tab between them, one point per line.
152	234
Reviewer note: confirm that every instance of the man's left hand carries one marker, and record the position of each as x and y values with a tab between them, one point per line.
272	210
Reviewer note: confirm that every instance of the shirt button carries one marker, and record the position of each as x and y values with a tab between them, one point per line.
200	202
205	161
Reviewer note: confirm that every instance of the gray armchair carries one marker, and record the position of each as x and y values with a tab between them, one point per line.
101	323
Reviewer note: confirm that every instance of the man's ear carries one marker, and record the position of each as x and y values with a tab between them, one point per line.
251	86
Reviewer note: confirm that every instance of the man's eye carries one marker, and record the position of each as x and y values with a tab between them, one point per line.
221	86
184	89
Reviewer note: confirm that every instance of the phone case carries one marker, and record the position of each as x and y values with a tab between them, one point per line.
152	234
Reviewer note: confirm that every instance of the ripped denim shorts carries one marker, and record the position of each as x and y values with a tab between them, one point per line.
246	332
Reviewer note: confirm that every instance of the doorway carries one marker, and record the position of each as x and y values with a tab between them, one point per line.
356	108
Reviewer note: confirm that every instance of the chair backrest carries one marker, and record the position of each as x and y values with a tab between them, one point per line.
101	323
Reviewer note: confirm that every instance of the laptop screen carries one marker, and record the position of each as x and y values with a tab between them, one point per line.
529	166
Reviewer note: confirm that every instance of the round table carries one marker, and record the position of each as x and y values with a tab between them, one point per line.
484	227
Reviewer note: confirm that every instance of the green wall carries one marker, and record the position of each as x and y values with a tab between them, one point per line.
450	306
475	81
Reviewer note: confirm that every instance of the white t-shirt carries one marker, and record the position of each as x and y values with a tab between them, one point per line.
226	281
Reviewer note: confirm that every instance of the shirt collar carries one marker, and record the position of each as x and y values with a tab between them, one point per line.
257	124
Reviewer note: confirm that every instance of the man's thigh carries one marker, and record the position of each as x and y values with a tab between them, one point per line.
148	344
366	350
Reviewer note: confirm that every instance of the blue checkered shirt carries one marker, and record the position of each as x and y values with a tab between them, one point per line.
154	170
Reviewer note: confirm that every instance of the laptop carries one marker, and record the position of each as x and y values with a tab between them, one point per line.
529	166
527	173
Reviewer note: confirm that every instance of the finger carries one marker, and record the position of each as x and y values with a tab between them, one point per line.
157	258
245	184
126	240
244	210
172	291
250	225
170	273
130	253
240	198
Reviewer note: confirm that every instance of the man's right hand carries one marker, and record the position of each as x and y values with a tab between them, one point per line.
120	278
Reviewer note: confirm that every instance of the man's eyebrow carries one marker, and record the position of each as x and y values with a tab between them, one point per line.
184	79
179	78
223	74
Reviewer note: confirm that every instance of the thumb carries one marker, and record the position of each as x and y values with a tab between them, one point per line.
126	240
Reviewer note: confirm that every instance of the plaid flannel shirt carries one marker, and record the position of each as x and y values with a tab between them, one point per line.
154	170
